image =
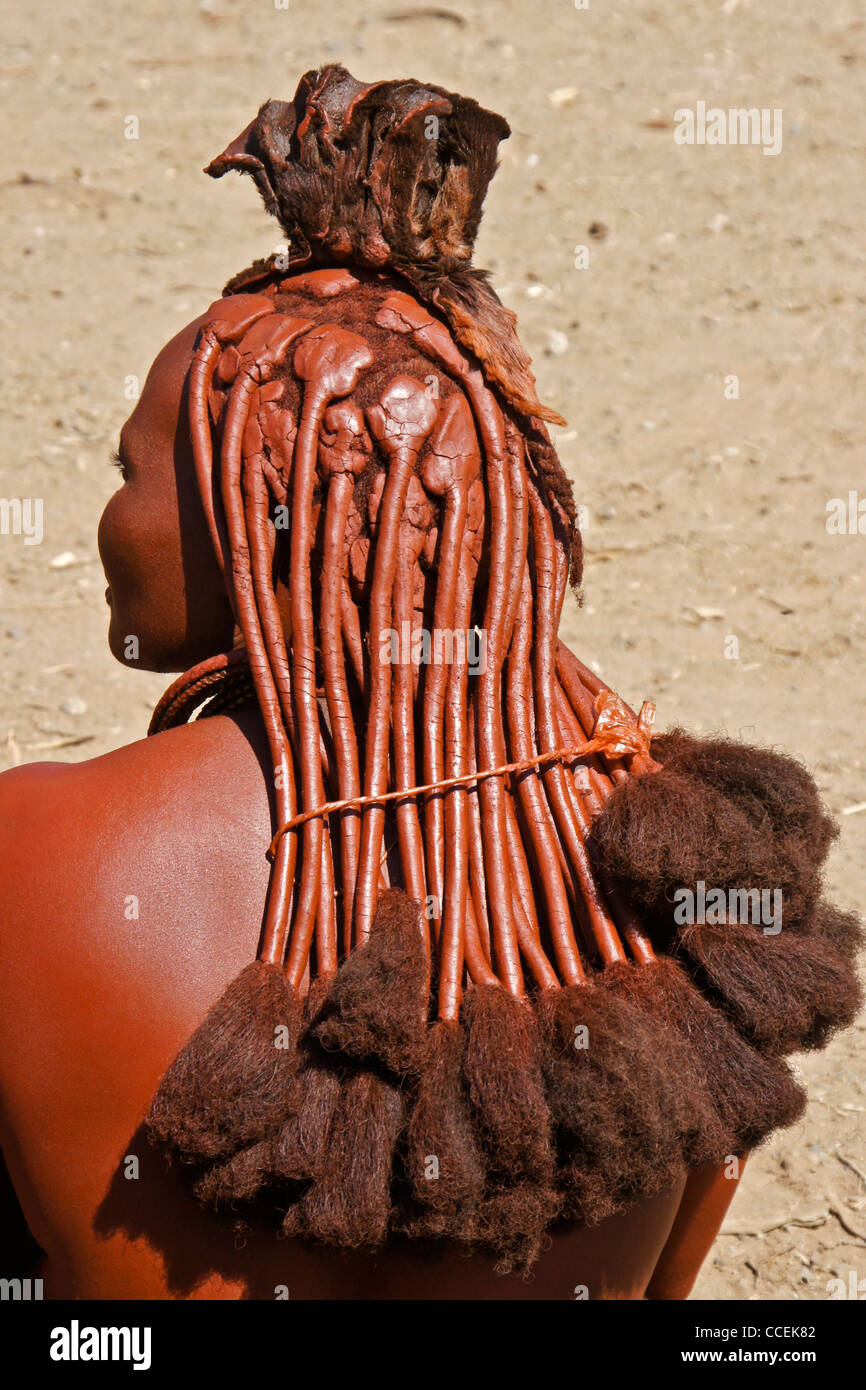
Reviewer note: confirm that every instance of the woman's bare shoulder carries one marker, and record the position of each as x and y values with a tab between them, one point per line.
195	779
149	766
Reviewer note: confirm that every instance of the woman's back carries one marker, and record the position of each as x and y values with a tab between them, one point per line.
133	886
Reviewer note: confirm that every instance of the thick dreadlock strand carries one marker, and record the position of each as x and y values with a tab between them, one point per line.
543	840
235	318
452	465
328	361
477	876
343	455
400	422
411	540
451	468
490	734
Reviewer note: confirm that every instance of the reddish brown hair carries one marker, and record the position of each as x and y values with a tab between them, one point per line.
438	943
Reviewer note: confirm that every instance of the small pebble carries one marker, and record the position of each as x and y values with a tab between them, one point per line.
557	341
63	560
74	705
563	96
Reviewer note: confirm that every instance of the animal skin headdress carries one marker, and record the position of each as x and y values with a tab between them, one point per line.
392	174
470	952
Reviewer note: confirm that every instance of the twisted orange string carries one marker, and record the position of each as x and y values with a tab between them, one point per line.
617	735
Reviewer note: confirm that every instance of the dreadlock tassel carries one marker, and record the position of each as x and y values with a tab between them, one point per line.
502	1074
292	1157
236	1078
737	821
718	812
373	1010
299	1149
236	1179
670	1118
626	1104
513	1222
376	1008
785	992
503	1077
752	1095
443	1162
294	1154
349	1203
843	930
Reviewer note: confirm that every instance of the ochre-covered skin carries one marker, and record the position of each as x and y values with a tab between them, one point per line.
430	879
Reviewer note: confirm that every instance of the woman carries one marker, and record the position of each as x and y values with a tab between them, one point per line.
380	949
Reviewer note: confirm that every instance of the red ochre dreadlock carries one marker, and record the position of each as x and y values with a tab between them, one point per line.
457	1024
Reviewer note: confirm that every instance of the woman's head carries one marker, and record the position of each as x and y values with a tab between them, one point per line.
355	485
169	606
380	177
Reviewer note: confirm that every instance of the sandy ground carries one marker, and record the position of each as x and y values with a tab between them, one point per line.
706	515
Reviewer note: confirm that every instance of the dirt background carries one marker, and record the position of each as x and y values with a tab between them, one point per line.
706	516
